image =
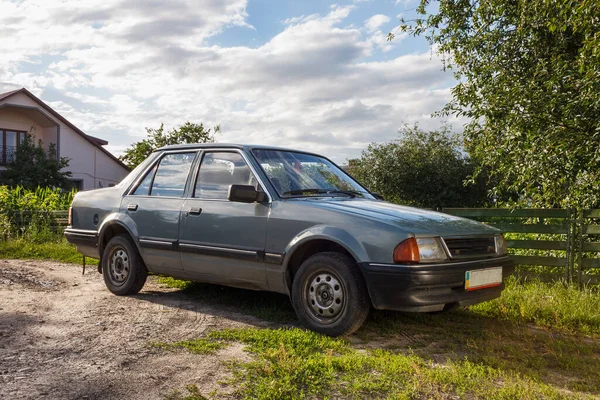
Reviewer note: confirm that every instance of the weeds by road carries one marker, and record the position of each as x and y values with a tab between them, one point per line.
54	248
476	352
295	363
556	306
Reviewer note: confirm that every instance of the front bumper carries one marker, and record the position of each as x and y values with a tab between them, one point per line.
429	287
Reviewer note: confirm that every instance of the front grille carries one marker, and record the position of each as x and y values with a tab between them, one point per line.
470	247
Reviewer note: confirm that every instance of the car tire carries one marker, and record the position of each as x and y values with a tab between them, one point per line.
122	267
329	294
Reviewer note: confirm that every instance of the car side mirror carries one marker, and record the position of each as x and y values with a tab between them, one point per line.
377	196
245	194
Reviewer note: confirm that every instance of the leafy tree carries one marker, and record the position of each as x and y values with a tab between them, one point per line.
33	166
157	138
528	77
425	169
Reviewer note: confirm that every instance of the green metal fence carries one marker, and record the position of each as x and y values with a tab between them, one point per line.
573	237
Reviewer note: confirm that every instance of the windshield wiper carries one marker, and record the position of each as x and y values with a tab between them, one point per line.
296	192
352	193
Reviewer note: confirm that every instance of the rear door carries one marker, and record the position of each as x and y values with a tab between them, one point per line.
154	205
220	240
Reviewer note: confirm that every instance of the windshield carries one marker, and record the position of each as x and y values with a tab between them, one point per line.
298	175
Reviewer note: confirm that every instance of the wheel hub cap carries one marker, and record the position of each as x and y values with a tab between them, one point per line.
119	265
325	295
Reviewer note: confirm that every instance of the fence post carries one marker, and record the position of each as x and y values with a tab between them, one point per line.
573	243
570	234
580	247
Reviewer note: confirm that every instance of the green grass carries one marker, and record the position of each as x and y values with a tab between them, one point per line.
196	346
55	249
566	361
193	393
294	363
561	307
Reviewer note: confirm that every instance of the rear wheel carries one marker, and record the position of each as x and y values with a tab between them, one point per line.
329	294
122	267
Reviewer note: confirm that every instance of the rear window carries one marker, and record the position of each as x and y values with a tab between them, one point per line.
169	178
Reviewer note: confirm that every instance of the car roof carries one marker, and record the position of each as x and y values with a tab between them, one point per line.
194	146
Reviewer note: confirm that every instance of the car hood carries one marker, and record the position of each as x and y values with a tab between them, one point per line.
409	219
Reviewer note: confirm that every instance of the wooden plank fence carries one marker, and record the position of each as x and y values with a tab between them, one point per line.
588	224
576	234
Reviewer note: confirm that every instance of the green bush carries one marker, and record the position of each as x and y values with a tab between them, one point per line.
421	168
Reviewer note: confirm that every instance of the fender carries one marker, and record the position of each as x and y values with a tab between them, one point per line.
323	232
123	221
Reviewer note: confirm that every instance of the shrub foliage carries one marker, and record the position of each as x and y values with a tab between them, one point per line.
425	169
33	166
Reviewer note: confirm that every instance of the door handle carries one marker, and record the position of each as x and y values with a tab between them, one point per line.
132	207
195	211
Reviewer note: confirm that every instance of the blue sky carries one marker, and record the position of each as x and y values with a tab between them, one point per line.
311	74
265	20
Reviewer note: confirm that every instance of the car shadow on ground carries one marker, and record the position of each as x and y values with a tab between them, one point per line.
246	306
520	348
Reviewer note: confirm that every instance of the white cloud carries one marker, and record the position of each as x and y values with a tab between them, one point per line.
375	22
406	3
121	66
301	18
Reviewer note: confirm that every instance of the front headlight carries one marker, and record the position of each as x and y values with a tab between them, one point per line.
414	250
501	248
430	249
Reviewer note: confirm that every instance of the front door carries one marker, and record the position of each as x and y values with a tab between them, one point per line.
154	205
223	241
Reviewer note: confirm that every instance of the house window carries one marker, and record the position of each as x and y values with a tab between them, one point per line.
9	142
76	184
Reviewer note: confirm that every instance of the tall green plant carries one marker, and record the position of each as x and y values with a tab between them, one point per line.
527	76
28	213
39	199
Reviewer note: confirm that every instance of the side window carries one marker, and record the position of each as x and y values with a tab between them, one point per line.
172	174
144	187
218	171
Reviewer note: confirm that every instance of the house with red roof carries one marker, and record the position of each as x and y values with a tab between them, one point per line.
91	165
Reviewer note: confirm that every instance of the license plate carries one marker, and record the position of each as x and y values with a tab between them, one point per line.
483	278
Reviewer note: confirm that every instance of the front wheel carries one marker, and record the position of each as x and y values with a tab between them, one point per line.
122	267
329	294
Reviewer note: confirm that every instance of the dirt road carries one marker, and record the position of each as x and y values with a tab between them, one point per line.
64	336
